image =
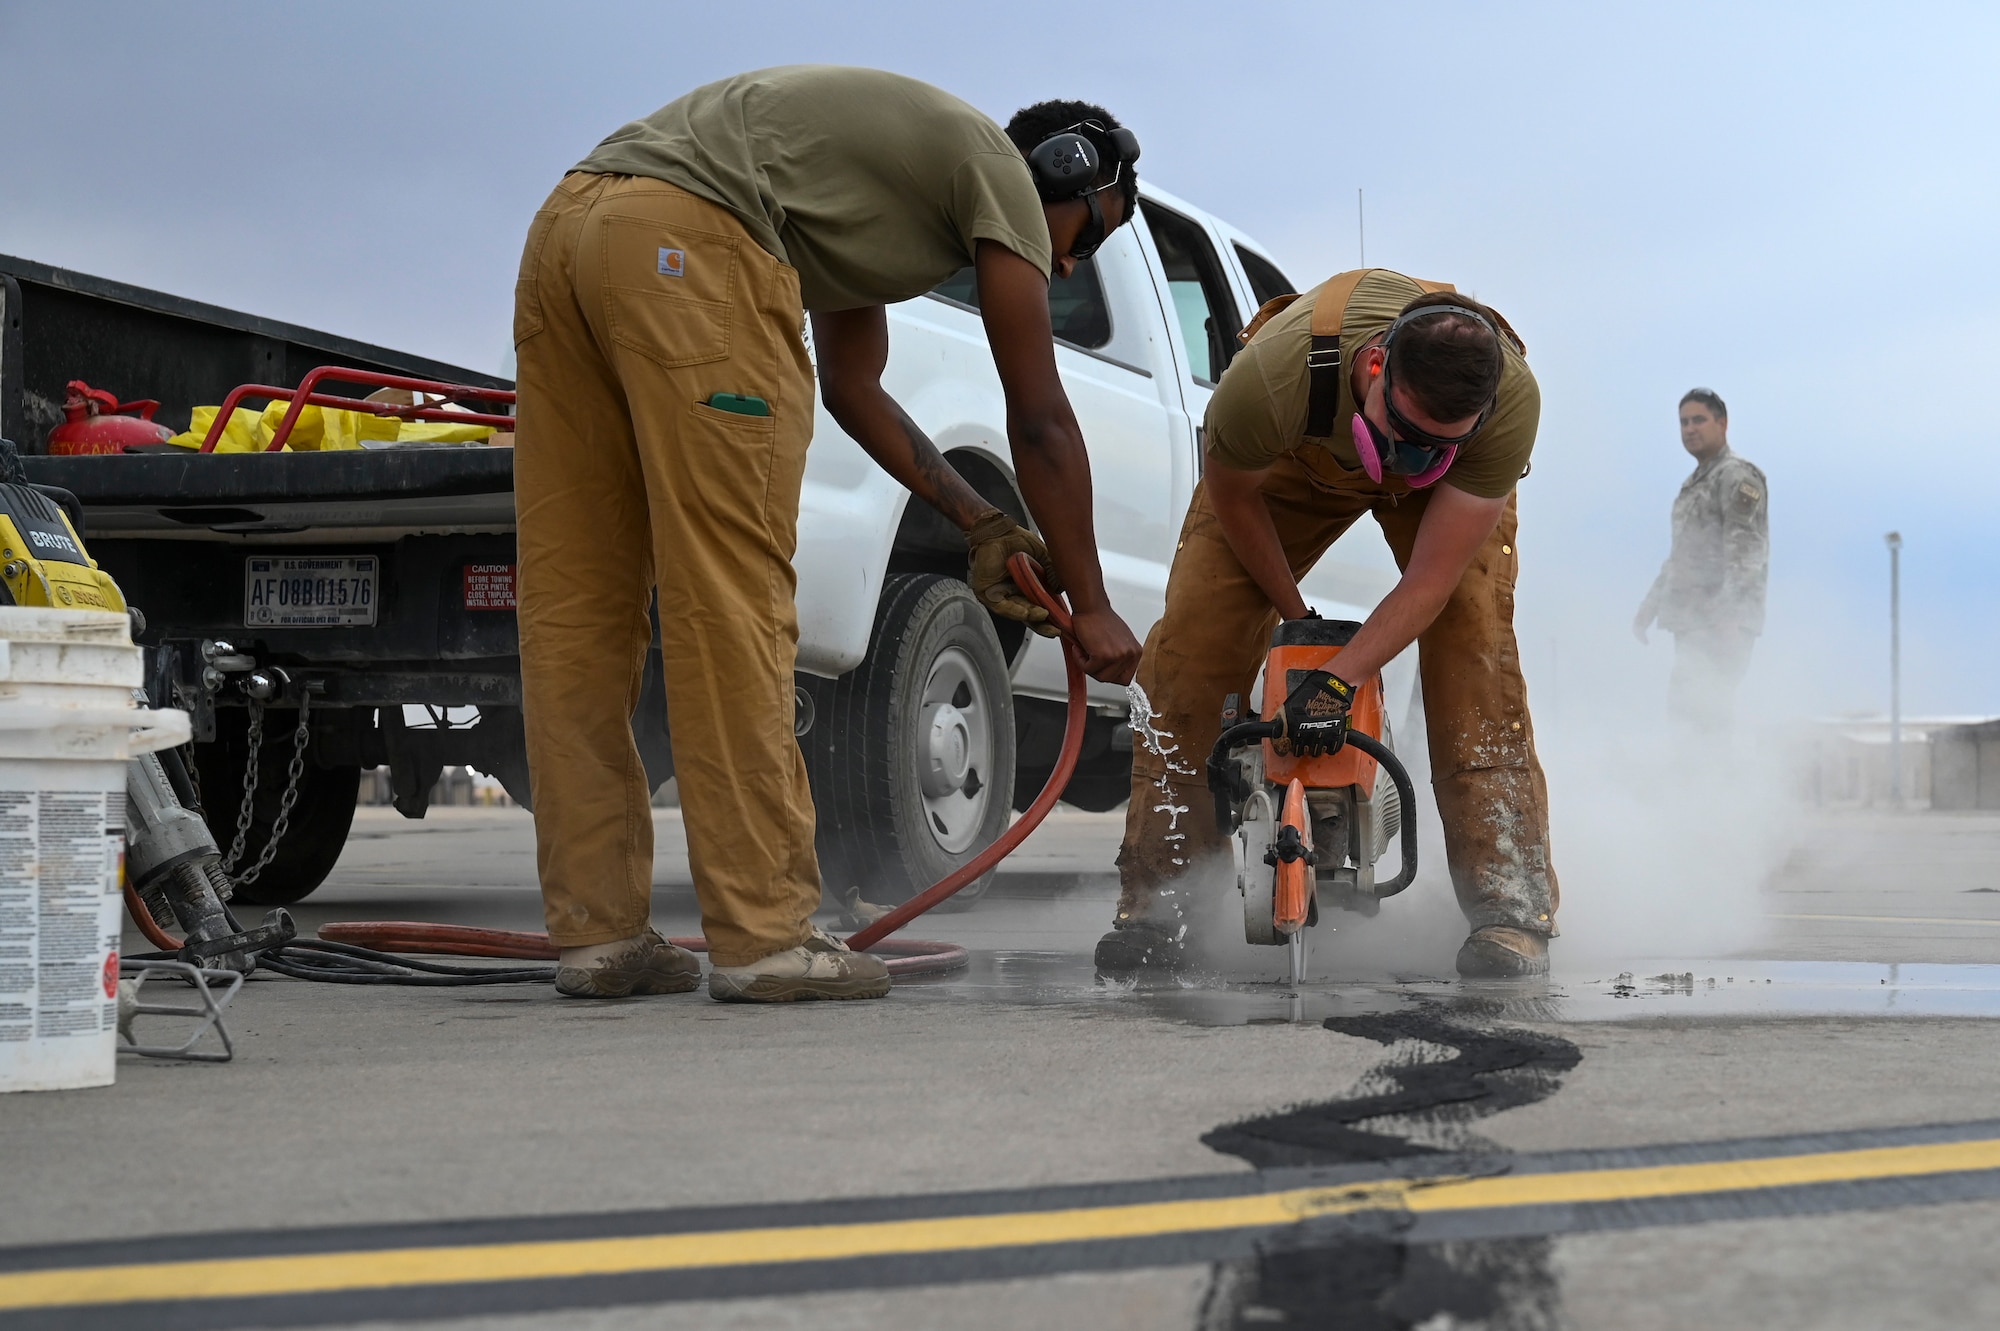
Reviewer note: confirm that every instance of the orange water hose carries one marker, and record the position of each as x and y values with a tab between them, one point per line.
142	917
1023	571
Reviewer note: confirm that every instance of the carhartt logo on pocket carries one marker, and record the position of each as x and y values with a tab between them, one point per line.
673	263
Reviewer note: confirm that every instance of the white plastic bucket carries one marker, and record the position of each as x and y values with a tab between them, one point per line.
68	724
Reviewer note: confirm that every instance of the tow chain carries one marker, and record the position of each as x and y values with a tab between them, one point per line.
247	814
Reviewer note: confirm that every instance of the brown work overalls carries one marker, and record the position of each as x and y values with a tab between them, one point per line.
1490	790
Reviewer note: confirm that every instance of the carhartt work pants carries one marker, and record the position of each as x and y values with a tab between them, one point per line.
1214	636
638	301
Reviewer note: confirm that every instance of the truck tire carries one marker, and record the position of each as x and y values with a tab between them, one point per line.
911	753
320	818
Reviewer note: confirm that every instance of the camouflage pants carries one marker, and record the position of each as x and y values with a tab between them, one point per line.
1708	666
1212	639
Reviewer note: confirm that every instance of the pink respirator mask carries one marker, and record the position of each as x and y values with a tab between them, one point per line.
1423	466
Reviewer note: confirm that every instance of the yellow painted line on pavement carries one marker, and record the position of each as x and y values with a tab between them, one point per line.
333	1272
1892	919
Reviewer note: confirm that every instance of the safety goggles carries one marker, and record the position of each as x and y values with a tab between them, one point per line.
1092	237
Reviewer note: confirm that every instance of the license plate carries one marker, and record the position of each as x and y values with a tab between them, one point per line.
310	591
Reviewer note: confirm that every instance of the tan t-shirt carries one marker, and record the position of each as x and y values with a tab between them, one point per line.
1258	413
874	186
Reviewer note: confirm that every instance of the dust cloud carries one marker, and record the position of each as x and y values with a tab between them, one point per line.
1662	840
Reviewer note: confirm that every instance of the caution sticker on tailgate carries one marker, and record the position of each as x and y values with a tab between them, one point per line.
489	586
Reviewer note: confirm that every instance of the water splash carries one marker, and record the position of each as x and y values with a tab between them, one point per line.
1160	743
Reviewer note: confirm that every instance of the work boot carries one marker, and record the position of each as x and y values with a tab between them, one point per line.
1497	952
648	964
820	967
1138	945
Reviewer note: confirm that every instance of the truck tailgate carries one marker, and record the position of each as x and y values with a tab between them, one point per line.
353	493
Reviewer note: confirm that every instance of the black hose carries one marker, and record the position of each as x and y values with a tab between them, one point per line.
345	963
314	961
175	767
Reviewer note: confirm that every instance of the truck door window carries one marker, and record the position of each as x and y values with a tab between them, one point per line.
1078	312
1202	303
1266	282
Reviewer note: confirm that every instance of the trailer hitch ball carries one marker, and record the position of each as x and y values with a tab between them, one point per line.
266	685
224	657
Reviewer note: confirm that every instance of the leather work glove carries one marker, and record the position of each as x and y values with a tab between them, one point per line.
1316	714
991	540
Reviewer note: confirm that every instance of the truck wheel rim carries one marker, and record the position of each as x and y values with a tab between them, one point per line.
955	751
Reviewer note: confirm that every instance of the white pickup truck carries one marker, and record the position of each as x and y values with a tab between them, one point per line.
923	719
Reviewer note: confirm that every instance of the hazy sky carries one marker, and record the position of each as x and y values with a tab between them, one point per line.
1793	204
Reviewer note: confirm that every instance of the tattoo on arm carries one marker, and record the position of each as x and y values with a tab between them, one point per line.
949	492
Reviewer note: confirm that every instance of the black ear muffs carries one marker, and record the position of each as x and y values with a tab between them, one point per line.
1064	166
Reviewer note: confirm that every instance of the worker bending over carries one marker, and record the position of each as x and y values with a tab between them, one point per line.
666	400
1373	394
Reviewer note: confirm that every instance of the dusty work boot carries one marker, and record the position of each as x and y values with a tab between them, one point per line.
820	967
648	964
1141	945
1497	952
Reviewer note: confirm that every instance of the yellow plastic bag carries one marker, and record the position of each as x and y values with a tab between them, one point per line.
239	436
320	429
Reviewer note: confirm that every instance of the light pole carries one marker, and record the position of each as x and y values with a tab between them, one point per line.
1894	540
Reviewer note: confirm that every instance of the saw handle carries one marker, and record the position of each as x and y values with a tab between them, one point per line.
1222	788
1221	782
1382	754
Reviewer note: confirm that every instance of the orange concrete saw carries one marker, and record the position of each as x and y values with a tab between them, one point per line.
1307	831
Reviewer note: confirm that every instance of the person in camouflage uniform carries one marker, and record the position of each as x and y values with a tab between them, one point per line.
1710	592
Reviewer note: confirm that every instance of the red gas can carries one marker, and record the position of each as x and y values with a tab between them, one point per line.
96	422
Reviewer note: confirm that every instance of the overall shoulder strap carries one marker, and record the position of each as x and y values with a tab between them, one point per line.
1323	361
1266	312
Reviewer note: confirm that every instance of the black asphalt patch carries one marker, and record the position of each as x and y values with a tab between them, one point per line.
1408	1106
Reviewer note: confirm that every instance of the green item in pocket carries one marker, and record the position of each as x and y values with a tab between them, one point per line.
743	404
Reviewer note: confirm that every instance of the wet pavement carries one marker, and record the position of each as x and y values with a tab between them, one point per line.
1822	1080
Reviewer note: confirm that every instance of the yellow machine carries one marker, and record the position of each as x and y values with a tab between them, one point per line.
42	560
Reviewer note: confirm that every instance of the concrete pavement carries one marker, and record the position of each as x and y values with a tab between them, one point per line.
1865	1004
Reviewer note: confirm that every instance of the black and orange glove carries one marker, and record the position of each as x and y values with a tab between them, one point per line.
991	541
1316	714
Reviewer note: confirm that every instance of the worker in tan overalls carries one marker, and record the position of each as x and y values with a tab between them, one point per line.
666	400
1377	394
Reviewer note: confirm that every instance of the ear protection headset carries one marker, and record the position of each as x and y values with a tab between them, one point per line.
1066	164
